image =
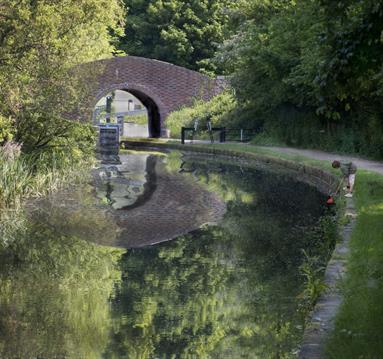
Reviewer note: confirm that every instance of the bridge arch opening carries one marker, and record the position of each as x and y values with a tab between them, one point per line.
137	111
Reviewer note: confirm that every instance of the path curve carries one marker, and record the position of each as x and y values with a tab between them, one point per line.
368	165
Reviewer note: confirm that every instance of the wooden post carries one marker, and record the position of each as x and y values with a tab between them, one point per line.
222	137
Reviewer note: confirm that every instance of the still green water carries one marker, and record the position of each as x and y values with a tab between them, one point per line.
231	290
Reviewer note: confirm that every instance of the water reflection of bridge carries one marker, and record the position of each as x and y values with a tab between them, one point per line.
141	201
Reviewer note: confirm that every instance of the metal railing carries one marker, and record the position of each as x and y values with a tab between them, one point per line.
240	134
225	134
192	133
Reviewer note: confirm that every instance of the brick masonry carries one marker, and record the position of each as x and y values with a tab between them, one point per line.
162	86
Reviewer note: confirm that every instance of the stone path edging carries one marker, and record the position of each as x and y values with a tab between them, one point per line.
321	321
324	181
369	165
322	317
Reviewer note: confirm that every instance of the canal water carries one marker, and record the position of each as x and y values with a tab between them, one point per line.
232	289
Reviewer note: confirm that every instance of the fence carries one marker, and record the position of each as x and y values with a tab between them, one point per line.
240	134
225	134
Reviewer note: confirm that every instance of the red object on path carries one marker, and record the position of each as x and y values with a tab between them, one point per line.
330	200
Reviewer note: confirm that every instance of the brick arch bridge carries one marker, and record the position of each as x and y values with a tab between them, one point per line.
161	87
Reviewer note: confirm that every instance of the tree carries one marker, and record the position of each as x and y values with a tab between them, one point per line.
309	72
186	33
351	75
41	42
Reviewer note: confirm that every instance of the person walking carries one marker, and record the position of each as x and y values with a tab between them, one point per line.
348	170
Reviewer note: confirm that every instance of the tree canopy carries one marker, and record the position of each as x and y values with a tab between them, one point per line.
40	43
313	65
186	33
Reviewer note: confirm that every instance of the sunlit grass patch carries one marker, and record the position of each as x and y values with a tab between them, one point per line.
156	153
359	324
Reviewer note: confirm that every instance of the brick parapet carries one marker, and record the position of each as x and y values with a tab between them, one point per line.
169	86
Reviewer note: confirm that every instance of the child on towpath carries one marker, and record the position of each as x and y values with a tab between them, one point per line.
348	170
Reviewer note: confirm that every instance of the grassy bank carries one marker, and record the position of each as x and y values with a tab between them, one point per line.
359	322
30	176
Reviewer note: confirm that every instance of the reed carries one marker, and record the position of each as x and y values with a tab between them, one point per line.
35	175
15	181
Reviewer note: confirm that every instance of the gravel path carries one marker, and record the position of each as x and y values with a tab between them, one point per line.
369	165
375	166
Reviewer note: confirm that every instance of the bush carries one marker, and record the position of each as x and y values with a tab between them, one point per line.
219	110
6	129
35	173
265	139
290	126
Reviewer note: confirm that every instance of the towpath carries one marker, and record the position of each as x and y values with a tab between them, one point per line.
369	165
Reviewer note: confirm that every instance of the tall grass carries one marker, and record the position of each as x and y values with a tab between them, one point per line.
15	181
35	175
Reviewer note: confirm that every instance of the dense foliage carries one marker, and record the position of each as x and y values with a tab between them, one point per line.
217	110
310	72
41	45
186	33
40	41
